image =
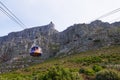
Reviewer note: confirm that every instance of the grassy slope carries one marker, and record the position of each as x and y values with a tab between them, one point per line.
108	57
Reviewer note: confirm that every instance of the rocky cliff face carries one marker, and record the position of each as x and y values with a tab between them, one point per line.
19	43
82	37
76	38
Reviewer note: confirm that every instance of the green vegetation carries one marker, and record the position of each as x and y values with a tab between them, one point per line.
97	68
108	75
89	65
60	73
87	71
87	60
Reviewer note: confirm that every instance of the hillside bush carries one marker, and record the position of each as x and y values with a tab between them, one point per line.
88	60
108	75
97	68
60	73
87	71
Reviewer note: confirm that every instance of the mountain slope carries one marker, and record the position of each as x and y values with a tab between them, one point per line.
107	57
77	38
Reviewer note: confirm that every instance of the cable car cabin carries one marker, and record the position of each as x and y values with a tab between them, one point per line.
35	51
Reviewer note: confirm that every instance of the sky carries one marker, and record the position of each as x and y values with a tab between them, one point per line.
63	13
